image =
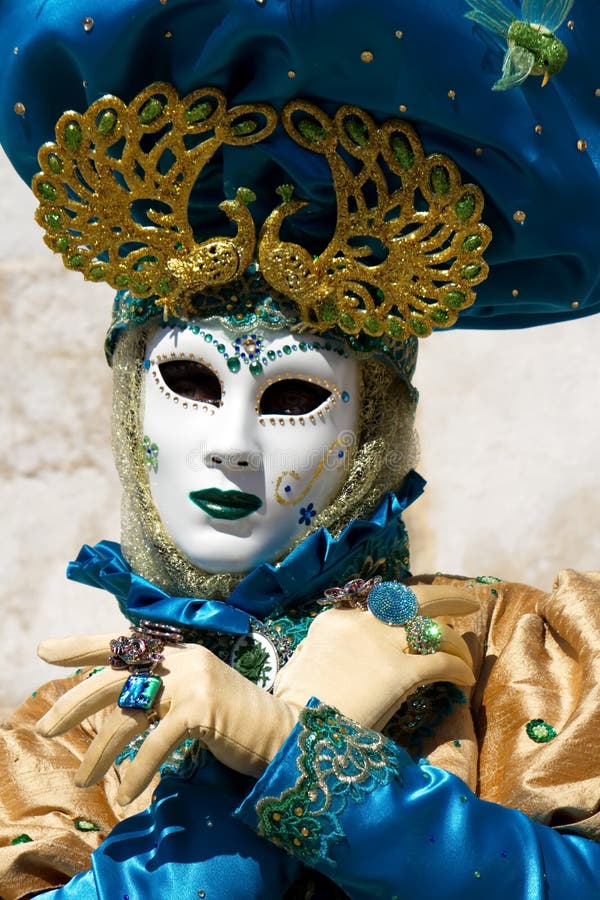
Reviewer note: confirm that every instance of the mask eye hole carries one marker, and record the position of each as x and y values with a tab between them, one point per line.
192	380
292	397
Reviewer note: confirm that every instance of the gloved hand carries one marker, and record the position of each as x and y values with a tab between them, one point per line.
201	697
361	666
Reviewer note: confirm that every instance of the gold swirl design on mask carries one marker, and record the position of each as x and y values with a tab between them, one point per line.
292	501
405	255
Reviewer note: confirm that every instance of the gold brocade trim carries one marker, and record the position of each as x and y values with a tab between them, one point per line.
405	256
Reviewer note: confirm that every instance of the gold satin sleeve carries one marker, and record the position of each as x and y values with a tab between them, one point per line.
48	827
547	668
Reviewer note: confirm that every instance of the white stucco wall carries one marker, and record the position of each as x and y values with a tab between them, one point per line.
509	422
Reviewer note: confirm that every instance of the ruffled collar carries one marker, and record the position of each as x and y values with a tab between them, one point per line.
319	562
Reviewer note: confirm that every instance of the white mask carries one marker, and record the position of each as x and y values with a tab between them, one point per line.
268	416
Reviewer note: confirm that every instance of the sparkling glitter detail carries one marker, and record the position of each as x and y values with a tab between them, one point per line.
19	108
393	603
539	731
85	825
366	56
88	23
519	216
423	635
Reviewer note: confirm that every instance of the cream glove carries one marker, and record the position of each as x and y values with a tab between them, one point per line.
361	666
201	697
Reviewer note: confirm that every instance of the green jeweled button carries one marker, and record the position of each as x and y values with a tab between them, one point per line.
233	364
21	839
139	691
539	731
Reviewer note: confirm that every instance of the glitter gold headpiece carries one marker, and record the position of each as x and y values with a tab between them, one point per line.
405	256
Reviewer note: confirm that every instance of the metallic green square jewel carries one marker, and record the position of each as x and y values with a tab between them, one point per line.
139	691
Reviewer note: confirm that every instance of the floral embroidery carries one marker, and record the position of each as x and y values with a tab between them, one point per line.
150	453
306	514
339	762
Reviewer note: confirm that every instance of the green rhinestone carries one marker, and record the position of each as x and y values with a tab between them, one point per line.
72	136
21	839
440	316
471	271
439	180
419	326
286	349
312	130
329	312
286	192
396	329
465	207
471	242
195	329
246	195
255	368
107	122
53	220
75	261
62	244
164	286
150	111
221	348
246	126
85	825
208	337
455	299
539	731
55	163
140	287
357	131
372	325
346	321
403	151
198	112
46	190
97	272
302	346
271	354
233	364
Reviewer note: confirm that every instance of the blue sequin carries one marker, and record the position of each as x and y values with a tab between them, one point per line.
392	602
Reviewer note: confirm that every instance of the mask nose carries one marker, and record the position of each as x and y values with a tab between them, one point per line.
234	460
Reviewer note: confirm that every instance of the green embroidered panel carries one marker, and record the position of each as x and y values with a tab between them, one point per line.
339	762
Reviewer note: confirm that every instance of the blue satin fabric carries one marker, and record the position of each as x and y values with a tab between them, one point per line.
319	562
247	49
187	841
424	834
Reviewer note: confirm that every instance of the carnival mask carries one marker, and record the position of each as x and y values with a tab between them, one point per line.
247	436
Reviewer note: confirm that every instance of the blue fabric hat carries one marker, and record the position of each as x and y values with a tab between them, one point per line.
534	151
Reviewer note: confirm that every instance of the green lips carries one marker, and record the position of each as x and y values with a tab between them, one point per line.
225	504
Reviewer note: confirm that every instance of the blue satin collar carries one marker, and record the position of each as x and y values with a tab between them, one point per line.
314	565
